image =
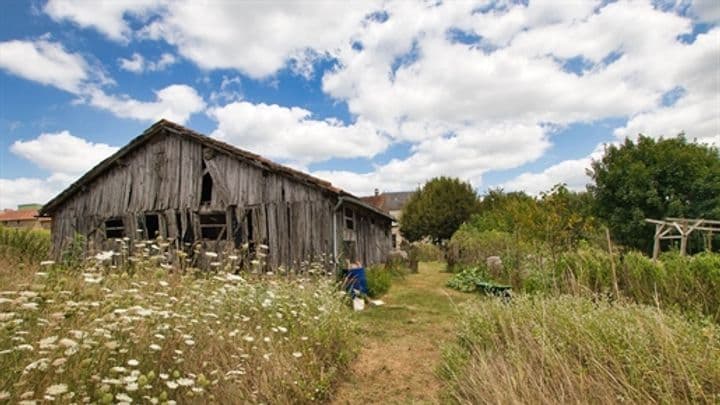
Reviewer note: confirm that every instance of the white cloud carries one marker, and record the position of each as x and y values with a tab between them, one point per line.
138	64
108	17
135	64
23	190
176	102
49	63
45	62
468	154
62	152
64	155
292	134
466	108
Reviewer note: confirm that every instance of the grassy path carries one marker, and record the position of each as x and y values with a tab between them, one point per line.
402	341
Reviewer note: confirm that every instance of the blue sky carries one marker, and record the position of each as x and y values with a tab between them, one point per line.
520	95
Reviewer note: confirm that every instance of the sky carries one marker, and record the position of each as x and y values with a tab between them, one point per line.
366	94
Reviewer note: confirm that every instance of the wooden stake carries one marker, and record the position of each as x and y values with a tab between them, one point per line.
612	263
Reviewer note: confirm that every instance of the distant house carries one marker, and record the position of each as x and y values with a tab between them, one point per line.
184	186
392	203
26	216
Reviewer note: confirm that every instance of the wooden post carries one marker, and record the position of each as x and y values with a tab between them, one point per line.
683	238
656	245
612	264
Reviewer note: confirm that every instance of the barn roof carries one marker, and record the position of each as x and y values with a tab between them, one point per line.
165	126
393	201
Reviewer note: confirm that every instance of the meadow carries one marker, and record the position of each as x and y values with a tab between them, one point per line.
101	333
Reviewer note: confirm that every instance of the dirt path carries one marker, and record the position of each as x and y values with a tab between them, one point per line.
402	342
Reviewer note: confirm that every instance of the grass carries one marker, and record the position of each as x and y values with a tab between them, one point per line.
104	335
575	350
401	341
24	245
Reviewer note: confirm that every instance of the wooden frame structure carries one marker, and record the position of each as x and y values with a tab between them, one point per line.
667	228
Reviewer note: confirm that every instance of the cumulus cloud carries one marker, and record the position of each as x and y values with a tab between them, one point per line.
292	134
138	64
49	63
176	102
473	86
62	154
23	190
108	17
45	62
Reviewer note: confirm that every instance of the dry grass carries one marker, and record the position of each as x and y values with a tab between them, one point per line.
401	341
574	350
102	335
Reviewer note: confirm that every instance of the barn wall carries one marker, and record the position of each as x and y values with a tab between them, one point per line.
164	177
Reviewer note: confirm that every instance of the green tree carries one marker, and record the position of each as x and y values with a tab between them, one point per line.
654	179
438	209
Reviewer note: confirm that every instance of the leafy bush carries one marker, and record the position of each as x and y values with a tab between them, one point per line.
379	280
576	350
380	277
471	247
94	334
425	252
466	280
24	244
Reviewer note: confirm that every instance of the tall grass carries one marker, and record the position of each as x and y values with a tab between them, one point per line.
24	244
110	335
575	350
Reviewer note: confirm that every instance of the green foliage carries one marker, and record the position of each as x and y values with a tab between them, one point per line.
24	244
542	349
380	277
654	179
425	252
74	253
438	209
466	280
379	280
559	219
470	246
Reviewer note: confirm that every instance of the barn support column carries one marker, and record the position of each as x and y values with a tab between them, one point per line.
334	214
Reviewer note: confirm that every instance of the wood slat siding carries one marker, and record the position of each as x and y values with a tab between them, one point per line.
164	177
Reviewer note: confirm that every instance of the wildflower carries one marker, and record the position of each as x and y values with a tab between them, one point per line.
297	354
6	316
4	395
155	347
104	256
56	389
118	369
190	342
30	305
26	347
123	397
249	338
133	363
47	262
211	254
65	342
48	342
185	382
171	384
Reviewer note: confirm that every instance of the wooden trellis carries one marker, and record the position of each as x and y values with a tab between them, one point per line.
681	228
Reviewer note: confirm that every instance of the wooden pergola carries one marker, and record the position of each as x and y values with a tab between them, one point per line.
681	228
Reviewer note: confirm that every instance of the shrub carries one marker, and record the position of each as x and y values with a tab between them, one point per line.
380	277
425	252
470	247
576	350
22	244
466	280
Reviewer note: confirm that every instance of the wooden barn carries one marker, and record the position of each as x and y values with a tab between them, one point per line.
186	187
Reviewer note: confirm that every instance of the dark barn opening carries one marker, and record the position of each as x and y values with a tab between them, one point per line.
152	224
114	228
207	185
